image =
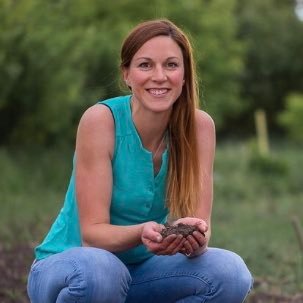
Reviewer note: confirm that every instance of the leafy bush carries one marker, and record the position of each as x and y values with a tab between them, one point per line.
58	58
292	117
268	165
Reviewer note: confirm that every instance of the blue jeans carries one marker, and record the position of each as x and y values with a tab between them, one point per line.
92	275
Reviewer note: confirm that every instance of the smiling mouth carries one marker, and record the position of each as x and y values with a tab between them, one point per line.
157	91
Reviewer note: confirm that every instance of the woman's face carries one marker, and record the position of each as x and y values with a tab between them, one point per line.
156	74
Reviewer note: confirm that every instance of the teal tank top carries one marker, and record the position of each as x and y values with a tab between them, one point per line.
138	195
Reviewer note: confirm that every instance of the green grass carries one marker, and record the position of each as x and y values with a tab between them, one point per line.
253	205
32	187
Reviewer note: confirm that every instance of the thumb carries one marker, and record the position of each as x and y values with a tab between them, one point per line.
202	225
152	232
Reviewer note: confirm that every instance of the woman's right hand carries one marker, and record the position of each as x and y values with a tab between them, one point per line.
158	245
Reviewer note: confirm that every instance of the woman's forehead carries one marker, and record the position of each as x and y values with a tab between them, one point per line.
159	46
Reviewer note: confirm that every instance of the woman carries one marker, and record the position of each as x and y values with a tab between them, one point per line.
140	161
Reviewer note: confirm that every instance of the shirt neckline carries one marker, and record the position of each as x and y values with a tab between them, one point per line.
146	151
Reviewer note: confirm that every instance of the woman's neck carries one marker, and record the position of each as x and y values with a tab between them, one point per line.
151	127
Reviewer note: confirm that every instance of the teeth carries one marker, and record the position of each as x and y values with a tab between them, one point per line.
157	91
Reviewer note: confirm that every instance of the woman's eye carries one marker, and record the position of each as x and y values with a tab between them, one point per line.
144	65
172	64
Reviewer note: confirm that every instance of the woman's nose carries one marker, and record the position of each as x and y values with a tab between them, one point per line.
159	74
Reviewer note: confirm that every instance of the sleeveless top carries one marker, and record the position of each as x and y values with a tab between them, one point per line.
138	195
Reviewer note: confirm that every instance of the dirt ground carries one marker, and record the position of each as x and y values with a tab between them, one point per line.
15	262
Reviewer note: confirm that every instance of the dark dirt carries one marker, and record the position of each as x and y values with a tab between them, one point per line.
15	261
274	298
179	229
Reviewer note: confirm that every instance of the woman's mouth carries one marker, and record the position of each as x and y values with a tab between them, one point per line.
157	91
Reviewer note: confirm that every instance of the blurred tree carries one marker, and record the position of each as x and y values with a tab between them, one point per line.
59	57
273	61
48	52
292	117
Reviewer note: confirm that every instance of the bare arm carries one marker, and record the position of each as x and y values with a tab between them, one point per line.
94	150
206	150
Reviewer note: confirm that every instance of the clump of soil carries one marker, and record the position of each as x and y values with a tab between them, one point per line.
179	229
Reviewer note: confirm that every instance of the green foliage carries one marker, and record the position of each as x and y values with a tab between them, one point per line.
273	59
32	184
292	117
59	57
52	61
269	165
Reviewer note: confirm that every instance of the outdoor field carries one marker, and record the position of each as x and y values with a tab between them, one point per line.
255	203
58	58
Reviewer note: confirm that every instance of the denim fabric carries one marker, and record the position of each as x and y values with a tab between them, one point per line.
217	276
94	275
79	275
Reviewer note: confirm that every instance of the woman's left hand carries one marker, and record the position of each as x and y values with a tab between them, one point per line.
155	243
196	243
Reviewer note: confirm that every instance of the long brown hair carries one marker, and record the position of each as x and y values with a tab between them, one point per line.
183	167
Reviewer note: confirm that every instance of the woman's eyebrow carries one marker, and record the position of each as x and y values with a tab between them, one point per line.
148	58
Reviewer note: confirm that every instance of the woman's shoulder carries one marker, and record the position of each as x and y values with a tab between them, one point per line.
206	135
95	114
204	121
96	131
104	110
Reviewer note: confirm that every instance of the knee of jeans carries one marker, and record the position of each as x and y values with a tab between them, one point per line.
233	276
106	277
240	272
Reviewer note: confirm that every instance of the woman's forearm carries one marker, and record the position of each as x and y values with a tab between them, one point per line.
113	238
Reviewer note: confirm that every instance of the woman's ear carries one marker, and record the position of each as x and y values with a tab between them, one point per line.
125	77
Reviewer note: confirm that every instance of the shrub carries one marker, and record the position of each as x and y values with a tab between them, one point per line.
292	117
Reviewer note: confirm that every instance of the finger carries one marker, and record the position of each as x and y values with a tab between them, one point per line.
202	225
182	249
187	247
199	237
160	227
156	247
163	246
178	247
155	237
169	240
193	243
156	233
172	245
151	238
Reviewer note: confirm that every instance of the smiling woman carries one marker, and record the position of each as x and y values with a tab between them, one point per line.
155	77
141	161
